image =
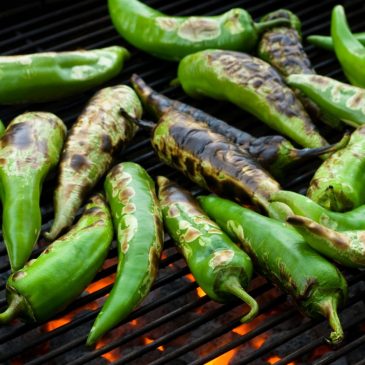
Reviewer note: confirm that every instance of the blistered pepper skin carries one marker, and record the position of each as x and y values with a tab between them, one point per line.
47	284
50	76
282	255
172	38
217	264
138	224
339	183
97	135
30	147
252	85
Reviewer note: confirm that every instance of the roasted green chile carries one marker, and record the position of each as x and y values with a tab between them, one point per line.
252	85
172	38
339	183
275	153
349	51
282	255
97	135
282	48
50	282
29	149
220	268
345	101
50	76
209	159
138	223
326	42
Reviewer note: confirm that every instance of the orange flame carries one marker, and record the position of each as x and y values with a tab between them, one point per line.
147	341
274	359
100	284
110	356
223	359
243	329
201	293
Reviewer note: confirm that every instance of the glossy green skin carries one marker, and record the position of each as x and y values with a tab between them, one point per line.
217	264
252	85
173	38
50	76
342	100
211	160
137	221
326	42
97	135
349	51
282	255
339	183
29	149
49	283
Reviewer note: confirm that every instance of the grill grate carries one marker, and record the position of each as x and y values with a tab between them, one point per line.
182	327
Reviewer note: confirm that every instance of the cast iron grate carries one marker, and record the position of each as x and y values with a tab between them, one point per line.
176	324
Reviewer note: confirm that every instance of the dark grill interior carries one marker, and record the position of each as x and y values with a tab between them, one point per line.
174	325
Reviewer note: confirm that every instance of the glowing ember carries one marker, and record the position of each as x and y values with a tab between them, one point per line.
274	359
100	284
223	359
112	355
147	341
199	290
190	277
133	322
257	342
243	329
320	351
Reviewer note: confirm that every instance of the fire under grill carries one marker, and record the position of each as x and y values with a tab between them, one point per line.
177	323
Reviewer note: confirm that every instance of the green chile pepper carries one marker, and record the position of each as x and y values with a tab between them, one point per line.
326	42
337	98
282	48
349	51
97	135
29	149
172	38
53	280
275	153
283	256
138	223
50	76
220	268
339	183
2	128
209	159
252	85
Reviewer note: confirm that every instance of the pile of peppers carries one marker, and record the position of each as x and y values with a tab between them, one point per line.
221	241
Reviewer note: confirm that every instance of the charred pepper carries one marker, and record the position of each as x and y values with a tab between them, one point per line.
337	98
50	76
220	268
326	42
97	135
282	255
172	38
275	153
29	149
138	223
282	48
50	282
339	183
209	159
349	51
252	85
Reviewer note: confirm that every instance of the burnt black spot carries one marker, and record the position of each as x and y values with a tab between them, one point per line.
78	162
18	135
106	143
190	166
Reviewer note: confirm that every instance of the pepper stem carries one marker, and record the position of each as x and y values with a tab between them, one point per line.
145	124
329	310
12	310
232	285
262	26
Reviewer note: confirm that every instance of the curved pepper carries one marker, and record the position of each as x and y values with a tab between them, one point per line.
217	264
49	283
282	48
339	183
252	85
282	255
97	135
172	38
209	159
326	42
349	51
337	98
275	153
50	76
29	149
138	222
